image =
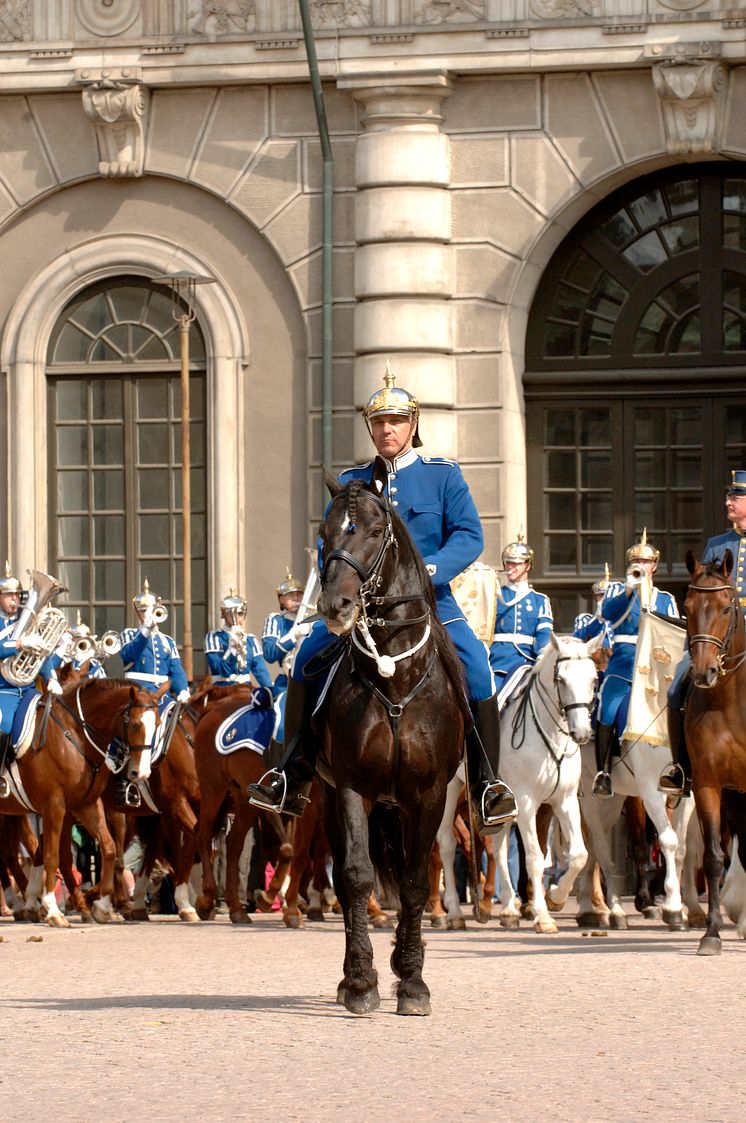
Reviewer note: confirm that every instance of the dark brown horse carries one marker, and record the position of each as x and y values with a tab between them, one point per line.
223	781
715	722
63	777
390	742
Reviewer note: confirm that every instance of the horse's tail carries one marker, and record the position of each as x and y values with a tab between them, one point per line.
386	846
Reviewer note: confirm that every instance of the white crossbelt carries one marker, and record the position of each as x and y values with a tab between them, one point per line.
625	639
512	637
143	677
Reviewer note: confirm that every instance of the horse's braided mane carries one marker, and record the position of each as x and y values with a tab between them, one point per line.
106	684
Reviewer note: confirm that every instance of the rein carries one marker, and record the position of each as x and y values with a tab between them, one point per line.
86	725
723	644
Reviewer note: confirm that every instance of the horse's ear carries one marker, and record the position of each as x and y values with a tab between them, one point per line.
554	641
379	479
133	694
727	563
594	643
692	562
162	690
333	485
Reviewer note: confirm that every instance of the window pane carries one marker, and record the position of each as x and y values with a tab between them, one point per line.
72	445
686	426
72	345
108	444
152	444
159	576
595	469
72	491
106	399
108	581
619	229
152	398
153	349
108	617
70	398
75	575
560	340
560	469
682	197
682	235
158	312
648	210
72	535
108	490
199	540
118	339
153	491
154	534
108	535
569	303
561	553
650	426
596	552
93	314
560	427
686	510
735	424
561	512
128	302
650	465
646	252
595	511
734	231
734	195
595	427
582	271
650	511
102	353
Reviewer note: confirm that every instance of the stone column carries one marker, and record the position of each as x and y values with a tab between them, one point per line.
403	261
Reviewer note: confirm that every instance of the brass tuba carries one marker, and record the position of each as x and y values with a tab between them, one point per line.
47	623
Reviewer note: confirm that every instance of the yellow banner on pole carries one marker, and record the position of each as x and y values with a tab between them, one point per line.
660	649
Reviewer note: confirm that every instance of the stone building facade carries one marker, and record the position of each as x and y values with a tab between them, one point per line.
485	151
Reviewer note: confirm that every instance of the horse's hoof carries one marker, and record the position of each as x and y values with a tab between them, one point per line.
651	912
413	1007
456	924
293	920
618	922
240	916
205	911
545	927
87	917
31	916
697	920
510	921
315	913
189	916
438	921
554	906
101	916
380	921
675	920
116	917
341	995
263	901
139	914
57	920
710	945
362	1003
483	916
527	912
592	920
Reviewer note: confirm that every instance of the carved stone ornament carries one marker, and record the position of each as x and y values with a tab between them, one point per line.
450	11
118	108
558	9
340	13
15	20
107	17
692	96
225	17
683	5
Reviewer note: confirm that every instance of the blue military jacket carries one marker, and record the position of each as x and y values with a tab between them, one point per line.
735	541
276	644
623	614
523	625
588	625
432	497
152	660
223	663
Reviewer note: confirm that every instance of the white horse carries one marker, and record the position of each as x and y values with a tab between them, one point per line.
636	772
541	729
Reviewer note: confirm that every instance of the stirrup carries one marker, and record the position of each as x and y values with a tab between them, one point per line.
4	787
497	787
264	802
602	786
132	795
674	782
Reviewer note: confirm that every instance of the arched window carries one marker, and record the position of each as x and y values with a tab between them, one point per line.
636	355
115	453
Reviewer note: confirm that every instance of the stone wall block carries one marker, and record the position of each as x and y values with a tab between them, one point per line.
576	123
306	276
733	139
417	268
343	323
430	377
633	111
343	164
177	118
478	379
492	104
293	112
403	324
479	161
403	214
485	272
234	131
479	434
67	133
477	325
502	216
437	429
271	181
23	162
540	174
402	156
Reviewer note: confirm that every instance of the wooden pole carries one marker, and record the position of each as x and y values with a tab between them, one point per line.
186	495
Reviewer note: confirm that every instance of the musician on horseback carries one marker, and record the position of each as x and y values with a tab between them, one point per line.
432	497
588	625
11	693
281	636
150	657
675	780
621	608
523	621
233	655
72	651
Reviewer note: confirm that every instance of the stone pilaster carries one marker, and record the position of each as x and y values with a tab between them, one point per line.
403	261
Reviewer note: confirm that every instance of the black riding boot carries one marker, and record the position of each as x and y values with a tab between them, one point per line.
602	785
676	778
6	756
493	800
285	788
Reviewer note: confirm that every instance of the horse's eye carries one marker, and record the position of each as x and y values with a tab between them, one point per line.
375	532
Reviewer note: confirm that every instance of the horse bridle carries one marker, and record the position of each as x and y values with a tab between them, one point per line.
721	644
370	577
125	710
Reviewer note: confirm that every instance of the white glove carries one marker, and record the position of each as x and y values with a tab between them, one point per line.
431	569
632	581
183	696
53	687
298	632
31	642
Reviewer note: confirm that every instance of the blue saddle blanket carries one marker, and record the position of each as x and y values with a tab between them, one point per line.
250	727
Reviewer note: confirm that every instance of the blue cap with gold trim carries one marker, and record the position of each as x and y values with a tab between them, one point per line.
737	485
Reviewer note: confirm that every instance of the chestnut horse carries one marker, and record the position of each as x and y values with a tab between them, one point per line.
223	780
64	776
392	730
715	726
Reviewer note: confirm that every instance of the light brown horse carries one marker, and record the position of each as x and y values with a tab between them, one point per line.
715	722
64	776
223	781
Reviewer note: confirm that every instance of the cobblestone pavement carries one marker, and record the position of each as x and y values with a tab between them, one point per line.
170	1021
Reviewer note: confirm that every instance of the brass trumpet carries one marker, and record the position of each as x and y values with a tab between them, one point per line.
160	613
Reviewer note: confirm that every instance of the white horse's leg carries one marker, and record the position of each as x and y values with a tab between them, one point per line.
510	913
32	910
600	816
733	896
655	805
543	922
447	846
567	812
186	909
693	859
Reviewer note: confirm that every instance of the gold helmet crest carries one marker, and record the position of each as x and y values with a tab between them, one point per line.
518	551
145	599
9	583
289	585
642	550
603	583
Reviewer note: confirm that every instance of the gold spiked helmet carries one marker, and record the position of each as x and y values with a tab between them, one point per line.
394	401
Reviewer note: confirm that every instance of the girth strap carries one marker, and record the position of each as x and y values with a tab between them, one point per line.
395	711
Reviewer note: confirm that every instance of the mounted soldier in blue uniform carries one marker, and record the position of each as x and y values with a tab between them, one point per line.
150	657
233	654
588	625
621	608
523	621
432	497
78	649
281	636
676	779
